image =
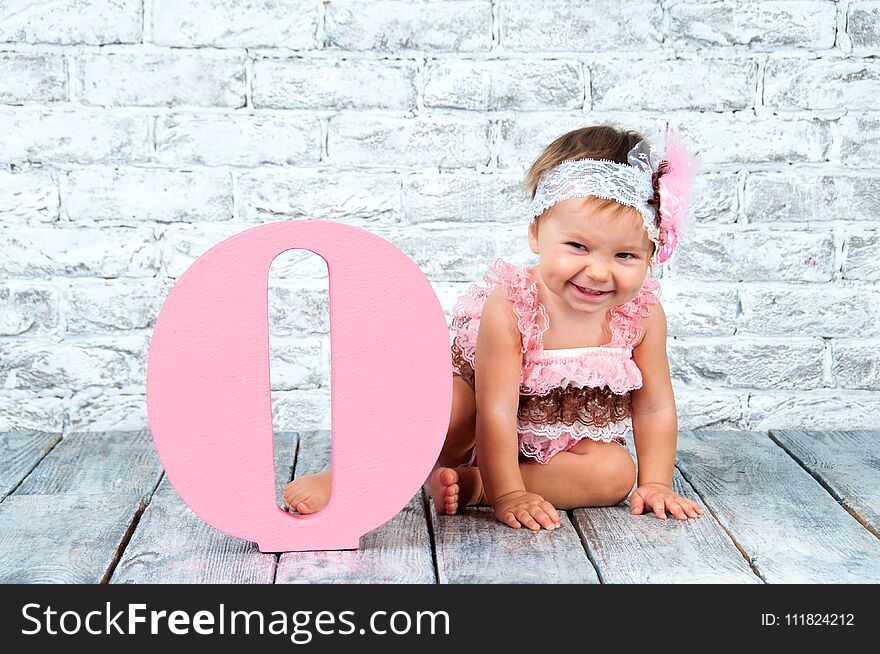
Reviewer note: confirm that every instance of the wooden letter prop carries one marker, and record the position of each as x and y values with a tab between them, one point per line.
208	392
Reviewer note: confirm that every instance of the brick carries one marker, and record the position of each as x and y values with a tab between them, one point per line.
825	311
761	26
796	85
856	364
695	309
30	195
334	84
862	256
463	198
20	411
227	23
27	310
32	78
72	22
860	135
103	409
301	410
300	308
825	410
742	138
782	197
113	305
354	197
238	139
447	141
728	255
180	245
458	254
148	194
694	84
715	198
504	85
84	136
449	293
747	363
295	364
707	409
568	25
162	79
863	26
77	252
116	362
395	25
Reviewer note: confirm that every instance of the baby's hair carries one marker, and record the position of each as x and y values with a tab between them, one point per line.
595	142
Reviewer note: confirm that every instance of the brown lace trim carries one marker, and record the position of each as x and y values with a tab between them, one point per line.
597	407
461	367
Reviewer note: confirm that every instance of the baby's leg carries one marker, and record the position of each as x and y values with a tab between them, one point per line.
311	493
308	494
461	434
592	473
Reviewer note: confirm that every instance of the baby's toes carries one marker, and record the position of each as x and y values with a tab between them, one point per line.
306	506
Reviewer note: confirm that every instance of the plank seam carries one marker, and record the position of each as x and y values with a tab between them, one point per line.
586	545
129	532
429	523
742	551
825	485
33	467
290	470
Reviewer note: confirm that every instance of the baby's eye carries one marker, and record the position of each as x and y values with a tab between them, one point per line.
627	254
577	245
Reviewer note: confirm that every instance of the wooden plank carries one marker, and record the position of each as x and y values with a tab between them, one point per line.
97	462
20	451
642	549
173	545
397	552
475	548
846	463
66	538
791	529
68	519
284	454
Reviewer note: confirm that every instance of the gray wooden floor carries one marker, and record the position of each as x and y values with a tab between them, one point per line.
779	508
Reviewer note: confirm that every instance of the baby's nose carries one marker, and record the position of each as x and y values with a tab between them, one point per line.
598	274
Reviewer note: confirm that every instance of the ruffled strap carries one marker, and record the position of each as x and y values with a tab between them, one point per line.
626	323
521	289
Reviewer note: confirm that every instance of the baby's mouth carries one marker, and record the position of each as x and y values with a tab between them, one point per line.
588	291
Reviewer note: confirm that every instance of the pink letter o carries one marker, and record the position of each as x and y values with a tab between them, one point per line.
208	390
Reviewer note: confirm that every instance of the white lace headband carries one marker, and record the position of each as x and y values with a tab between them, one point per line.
630	184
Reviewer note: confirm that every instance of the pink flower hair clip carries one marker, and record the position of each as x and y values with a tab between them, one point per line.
675	188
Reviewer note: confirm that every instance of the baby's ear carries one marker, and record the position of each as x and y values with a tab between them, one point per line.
533	236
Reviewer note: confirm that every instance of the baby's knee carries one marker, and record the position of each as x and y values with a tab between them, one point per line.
616	474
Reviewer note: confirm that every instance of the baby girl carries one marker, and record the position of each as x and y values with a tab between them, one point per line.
555	364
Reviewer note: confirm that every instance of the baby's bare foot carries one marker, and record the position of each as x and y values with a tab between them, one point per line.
308	494
444	490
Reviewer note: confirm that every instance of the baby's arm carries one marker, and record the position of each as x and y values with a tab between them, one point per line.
498	367
655	425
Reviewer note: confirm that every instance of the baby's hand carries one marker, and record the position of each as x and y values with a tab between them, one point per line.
519	508
660	498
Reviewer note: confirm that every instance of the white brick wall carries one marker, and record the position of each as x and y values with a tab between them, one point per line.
136	134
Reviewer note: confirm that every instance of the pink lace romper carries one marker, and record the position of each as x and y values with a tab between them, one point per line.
567	394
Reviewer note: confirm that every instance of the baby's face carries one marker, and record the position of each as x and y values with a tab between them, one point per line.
583	248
